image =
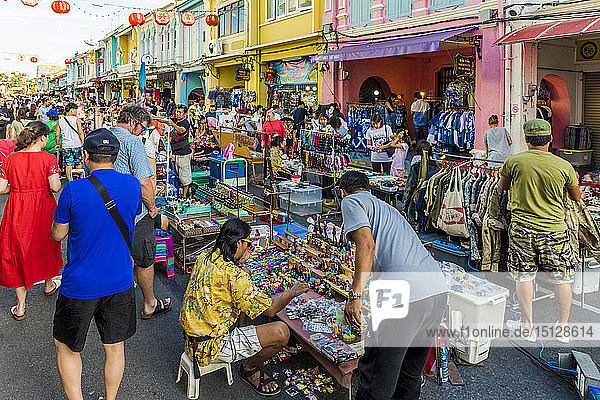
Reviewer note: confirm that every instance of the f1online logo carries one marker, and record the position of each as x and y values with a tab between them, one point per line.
389	300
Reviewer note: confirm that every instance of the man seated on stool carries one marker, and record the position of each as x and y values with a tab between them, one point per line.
220	289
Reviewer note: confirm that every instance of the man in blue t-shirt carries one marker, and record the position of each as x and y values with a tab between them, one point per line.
97	281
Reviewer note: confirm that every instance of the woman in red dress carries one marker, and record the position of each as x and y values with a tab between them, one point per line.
28	254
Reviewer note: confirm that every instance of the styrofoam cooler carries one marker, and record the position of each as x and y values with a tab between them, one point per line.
592	278
474	351
478	311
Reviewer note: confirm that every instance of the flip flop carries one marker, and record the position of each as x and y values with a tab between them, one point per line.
14	314
57	284
161	308
262	381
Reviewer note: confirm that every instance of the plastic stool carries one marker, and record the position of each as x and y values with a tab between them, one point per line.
193	385
164	253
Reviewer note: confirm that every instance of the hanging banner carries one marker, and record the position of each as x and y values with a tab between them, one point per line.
299	72
588	50
464	66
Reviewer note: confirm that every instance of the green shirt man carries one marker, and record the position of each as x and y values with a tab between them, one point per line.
538	180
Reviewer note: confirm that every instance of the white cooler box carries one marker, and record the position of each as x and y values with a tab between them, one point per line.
592	278
480	303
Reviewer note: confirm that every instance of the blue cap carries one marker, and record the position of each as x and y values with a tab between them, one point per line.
53	112
101	141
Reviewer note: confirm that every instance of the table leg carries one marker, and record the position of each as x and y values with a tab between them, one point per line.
184	257
350	391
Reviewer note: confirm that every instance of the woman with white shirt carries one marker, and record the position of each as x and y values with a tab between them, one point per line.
378	136
71	129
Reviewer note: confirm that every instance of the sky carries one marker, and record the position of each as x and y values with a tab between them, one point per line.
39	32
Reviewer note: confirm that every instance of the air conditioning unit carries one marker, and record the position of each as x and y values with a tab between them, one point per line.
214	48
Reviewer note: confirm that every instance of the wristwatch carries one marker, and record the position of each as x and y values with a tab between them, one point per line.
352	295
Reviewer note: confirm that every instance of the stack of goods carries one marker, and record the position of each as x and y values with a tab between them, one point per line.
270	271
324	151
180	210
303	198
592	198
451	129
221	202
307	381
578	138
336	350
245	199
386	183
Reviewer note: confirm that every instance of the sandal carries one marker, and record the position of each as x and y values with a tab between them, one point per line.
13	310
161	307
262	382
57	284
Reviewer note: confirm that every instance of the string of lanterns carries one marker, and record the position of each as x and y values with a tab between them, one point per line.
135	19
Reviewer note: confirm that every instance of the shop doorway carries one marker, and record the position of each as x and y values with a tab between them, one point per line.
372	90
196	94
557	100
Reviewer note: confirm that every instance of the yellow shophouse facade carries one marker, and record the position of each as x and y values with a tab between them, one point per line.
263	48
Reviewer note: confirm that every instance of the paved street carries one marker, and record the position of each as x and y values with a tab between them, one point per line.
28	368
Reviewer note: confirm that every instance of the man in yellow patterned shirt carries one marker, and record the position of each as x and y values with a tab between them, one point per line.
218	292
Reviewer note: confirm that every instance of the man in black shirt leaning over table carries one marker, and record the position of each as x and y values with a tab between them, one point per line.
180	146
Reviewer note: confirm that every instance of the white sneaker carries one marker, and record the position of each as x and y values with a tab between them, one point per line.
516	326
561	338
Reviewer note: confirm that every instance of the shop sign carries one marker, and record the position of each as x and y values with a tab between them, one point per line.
244	140
588	50
242	74
149	86
299	72
168	85
464	66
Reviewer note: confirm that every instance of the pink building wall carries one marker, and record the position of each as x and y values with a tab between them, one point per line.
416	72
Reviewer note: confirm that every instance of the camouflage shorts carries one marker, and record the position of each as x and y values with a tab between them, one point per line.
531	250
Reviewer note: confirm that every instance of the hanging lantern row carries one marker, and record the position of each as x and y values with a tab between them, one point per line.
212	20
61	6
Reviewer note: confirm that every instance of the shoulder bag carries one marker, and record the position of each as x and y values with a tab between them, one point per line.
111	207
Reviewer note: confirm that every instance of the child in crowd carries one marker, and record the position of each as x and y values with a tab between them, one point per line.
400	142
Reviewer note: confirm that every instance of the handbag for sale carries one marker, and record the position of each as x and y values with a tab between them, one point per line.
452	218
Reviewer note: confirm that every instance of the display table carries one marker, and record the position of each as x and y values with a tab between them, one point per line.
342	372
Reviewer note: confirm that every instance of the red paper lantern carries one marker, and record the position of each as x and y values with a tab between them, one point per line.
92	61
23	74
100	60
68	61
161	17
21	57
43	76
212	20
136	19
80	61
33	59
60	7
30	3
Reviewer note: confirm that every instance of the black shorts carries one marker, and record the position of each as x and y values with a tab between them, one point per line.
144	243
158	221
115	317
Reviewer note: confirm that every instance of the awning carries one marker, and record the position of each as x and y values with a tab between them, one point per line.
551	30
407	45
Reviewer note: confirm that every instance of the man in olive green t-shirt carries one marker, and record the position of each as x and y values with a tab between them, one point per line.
538	237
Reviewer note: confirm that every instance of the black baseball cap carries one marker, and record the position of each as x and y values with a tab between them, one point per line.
101	141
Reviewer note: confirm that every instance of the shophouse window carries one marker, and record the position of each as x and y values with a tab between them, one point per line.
232	18
395	9
444	77
360	12
277	9
435	5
